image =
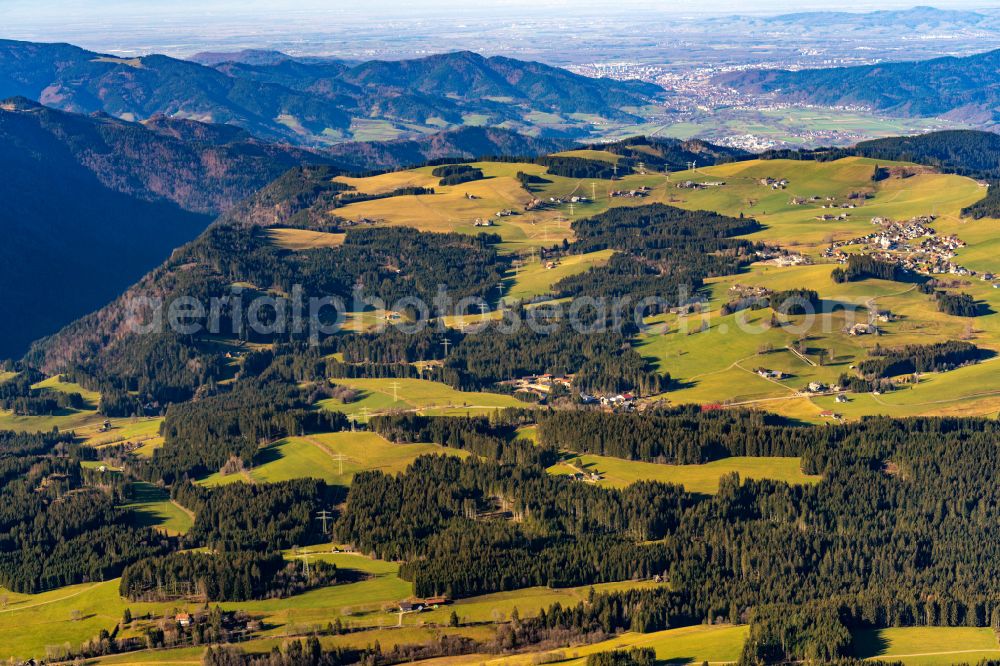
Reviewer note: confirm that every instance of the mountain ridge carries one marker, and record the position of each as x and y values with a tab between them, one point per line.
314	102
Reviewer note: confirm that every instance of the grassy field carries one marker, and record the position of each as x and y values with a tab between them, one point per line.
145	431
601	155
377	395
927	646
717	644
57	384
75	614
535	279
716	364
304	239
387	638
618	473
455	208
153	508
332	457
449	209
66	419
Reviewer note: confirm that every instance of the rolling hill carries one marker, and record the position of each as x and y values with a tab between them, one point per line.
965	89
566	519
319	101
95	201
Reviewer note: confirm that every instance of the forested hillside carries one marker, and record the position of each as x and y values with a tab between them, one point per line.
957	88
95	203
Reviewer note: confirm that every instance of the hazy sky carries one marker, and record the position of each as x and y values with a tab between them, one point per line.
18	13
181	27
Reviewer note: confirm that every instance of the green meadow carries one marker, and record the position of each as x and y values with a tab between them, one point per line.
618	473
928	646
152	507
332	457
420	395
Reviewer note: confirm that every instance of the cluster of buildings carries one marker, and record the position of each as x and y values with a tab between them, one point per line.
420	605
862	328
820	387
912	244
774	183
751	143
693	185
488	222
535	204
625	402
637	193
540	385
786	260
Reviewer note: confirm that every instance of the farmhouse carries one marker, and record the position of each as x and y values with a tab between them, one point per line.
862	329
435	601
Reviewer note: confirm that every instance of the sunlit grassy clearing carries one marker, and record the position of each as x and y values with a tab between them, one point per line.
152	507
304	239
413	394
142	430
600	155
927	645
618	473
387	638
32	622
66	419
56	383
331	457
534	278
714	644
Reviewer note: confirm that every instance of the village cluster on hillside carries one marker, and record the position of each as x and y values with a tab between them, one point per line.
912	244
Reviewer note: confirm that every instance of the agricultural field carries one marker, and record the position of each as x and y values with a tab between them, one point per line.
715	361
77	613
143	431
718	644
152	507
928	646
601	155
796	126
618	473
419	395
535	278
717	364
332	457
303	239
712	357
66	419
456	207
